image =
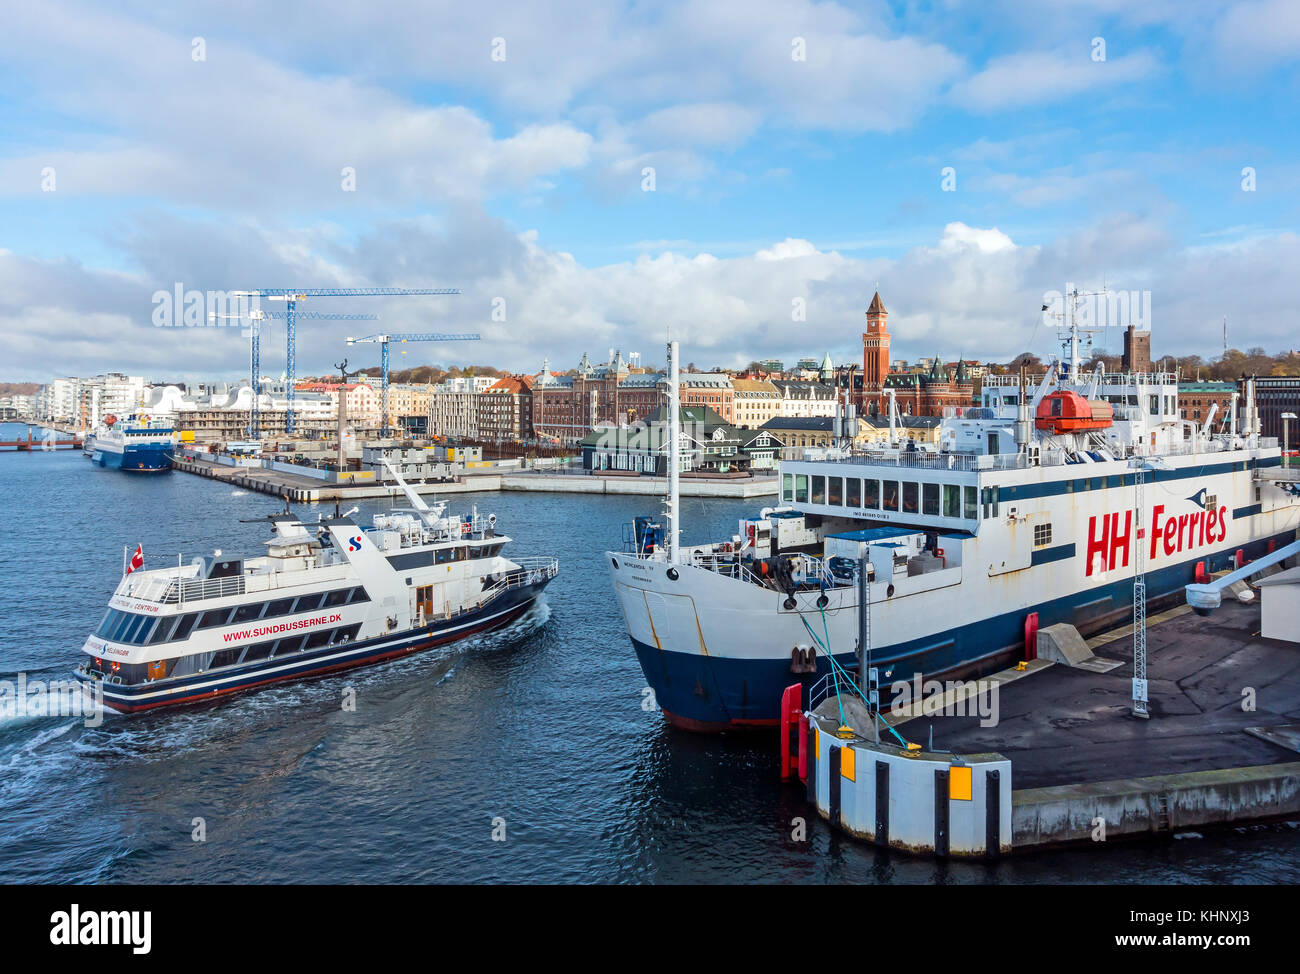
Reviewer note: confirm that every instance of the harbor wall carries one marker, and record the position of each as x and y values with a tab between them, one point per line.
1146	806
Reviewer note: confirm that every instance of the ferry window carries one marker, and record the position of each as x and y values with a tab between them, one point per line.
951	500
214	617
969	507
345	634
818	489
442	556
787	488
184	626
111	619
889	495
279	607
853	492
163	631
337	597
930	499
247	613
871	493
801	488
318	639
1211	502
287	646
911	497
309	603
259	651
1042	534
224	658
835	491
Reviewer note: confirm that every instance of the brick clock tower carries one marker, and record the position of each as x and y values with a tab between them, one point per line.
875	351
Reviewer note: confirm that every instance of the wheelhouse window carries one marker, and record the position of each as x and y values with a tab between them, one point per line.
970	505
911	497
853	492
801	488
787	488
952	500
930	499
889	495
871	493
818	489
835	491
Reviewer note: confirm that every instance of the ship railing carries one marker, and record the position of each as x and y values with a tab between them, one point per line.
531	571
949	461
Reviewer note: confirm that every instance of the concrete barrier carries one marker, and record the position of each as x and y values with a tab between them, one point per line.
1062	643
941	804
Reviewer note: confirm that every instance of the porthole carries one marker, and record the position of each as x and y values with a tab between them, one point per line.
673	574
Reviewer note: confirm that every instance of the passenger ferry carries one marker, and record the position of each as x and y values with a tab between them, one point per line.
137	445
1036	508
319	601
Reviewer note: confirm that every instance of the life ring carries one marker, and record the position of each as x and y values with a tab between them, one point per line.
464	528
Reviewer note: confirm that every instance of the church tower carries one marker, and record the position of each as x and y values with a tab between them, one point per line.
875	350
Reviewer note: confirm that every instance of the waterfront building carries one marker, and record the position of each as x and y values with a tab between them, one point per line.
505	410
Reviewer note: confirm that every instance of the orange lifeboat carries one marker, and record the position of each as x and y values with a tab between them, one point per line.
1068	412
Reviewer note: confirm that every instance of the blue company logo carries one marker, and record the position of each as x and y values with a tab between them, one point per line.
1198	498
354	544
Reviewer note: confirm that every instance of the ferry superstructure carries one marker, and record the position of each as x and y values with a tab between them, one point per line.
135	445
324	598
1026	515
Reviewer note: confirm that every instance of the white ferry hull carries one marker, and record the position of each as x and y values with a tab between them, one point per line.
716	651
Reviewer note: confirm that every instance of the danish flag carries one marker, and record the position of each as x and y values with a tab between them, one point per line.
137	559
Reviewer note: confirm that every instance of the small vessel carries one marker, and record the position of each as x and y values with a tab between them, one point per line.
319	601
1046	503
138	444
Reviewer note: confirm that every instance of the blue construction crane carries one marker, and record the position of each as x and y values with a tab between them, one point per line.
291	297
382	341
256	316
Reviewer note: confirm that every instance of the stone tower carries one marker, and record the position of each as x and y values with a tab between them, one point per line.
1137	350
875	349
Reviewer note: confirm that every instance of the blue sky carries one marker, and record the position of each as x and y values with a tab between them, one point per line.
519	178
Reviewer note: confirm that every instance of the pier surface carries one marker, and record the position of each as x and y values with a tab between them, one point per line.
302	488
1064	725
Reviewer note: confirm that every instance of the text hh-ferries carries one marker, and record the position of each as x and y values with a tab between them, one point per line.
136	445
338	598
1024	516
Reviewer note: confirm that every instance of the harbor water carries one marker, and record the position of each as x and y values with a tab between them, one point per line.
523	756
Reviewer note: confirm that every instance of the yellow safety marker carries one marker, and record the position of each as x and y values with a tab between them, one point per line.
848	763
844	732
959	783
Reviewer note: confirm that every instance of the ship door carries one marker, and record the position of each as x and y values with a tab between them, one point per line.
424	601
993	443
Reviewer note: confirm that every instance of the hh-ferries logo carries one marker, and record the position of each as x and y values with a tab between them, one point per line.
1110	536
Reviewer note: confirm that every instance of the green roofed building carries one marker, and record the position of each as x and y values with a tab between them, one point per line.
709	445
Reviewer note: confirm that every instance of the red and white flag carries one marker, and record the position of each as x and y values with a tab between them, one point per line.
137	559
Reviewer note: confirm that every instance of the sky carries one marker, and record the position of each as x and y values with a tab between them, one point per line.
741	175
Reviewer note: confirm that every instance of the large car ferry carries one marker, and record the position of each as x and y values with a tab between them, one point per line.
319	601
137	445
1036	508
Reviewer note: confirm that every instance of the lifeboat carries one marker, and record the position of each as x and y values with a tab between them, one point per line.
1064	411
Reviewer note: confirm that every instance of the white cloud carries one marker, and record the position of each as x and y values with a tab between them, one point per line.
1037	77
